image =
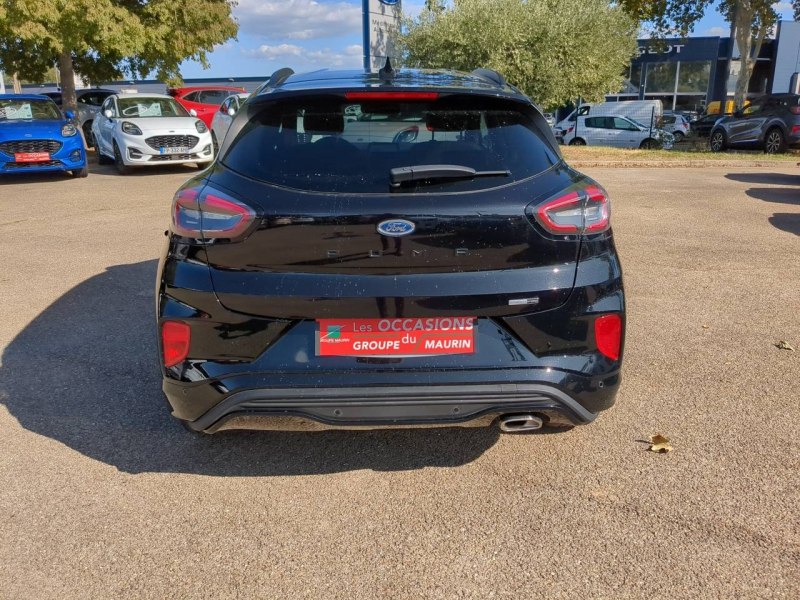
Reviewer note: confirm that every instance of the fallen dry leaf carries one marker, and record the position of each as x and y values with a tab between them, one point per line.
660	444
706	326
784	345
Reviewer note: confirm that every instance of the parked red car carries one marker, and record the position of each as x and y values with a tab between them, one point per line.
204	100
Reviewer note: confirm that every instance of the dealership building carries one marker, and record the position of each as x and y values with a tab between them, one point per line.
688	73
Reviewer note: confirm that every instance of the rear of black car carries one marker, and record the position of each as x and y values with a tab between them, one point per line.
413	254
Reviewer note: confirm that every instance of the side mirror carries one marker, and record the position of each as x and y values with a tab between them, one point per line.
109	113
70	115
231	112
738	113
193	112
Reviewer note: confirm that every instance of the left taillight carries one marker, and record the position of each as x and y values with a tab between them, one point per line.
584	209
209	214
175	339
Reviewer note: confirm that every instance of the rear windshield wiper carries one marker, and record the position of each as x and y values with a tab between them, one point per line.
401	175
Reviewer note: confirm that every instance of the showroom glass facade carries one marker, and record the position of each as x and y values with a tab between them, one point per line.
686	74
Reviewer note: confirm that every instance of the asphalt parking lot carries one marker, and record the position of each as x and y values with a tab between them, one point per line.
104	495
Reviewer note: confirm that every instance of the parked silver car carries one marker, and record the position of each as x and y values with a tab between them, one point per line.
89	103
614	131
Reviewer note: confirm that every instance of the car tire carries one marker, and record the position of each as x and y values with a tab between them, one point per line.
679	137
88	136
214	144
774	142
577	142
80	173
649	144
717	141
102	159
122	168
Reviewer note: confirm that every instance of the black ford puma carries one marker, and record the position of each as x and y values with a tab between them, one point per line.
391	249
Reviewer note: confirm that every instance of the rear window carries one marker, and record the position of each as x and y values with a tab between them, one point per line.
335	145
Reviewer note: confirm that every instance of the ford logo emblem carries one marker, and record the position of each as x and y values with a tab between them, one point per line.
396	227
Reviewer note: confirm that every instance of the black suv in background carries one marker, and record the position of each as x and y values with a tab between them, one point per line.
771	123
389	249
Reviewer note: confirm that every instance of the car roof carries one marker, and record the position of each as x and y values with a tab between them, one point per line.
205	87
142	95
24	97
422	79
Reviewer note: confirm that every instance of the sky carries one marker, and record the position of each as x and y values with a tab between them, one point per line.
314	34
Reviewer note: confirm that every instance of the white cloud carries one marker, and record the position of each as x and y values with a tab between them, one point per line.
297	19
298	57
718	31
273	52
783	7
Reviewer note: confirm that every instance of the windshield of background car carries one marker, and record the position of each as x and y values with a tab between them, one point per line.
350	147
30	110
143	107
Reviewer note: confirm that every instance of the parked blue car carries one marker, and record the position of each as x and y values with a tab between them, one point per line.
34	137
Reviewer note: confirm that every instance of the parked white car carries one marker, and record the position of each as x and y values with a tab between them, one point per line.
149	130
677	125
223	118
551	120
617	132
643	111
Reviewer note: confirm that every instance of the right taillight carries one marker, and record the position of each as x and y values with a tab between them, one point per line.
582	210
175	338
608	334
210	214
795	110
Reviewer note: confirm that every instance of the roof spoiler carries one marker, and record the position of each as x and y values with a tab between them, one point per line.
275	80
491	75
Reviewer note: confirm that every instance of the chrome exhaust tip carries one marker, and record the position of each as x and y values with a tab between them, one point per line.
517	423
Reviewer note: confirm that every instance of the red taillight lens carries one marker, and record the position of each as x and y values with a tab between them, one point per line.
210	214
608	334
570	130
175	337
392	95
585	210
795	129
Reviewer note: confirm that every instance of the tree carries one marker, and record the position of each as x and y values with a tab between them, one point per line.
750	20
107	39
553	50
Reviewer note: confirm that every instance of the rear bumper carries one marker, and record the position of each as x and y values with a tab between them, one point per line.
389	406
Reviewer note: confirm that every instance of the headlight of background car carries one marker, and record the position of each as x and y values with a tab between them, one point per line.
130	128
68	130
201	127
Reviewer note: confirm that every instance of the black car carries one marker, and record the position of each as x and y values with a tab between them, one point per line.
702	127
389	249
771	123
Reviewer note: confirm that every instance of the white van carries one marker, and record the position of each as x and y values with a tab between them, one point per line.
640	110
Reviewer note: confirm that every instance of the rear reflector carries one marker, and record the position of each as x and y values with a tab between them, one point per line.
795	110
582	210
175	337
392	95
608	334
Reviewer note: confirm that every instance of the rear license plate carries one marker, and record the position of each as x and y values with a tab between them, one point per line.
27	157
396	337
181	150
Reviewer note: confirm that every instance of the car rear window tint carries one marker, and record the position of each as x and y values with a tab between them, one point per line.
351	147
